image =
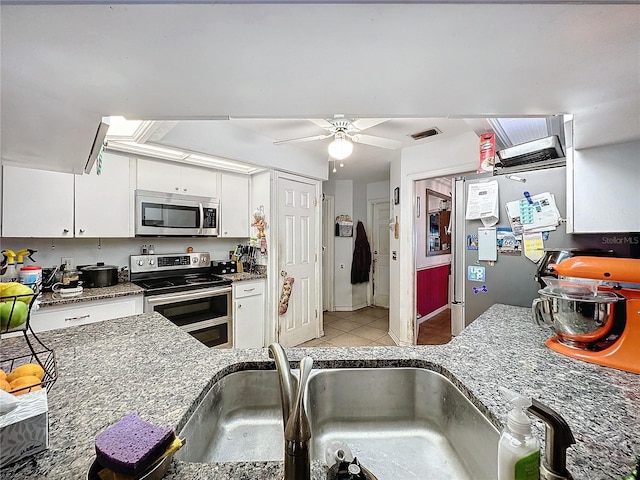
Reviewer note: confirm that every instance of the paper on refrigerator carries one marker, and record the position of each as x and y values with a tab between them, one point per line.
482	203
545	215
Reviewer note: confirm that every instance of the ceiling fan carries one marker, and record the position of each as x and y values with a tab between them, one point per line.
343	130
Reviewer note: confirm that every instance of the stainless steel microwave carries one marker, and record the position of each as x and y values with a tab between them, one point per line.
168	214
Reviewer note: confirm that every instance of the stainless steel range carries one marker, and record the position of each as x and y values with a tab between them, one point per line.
182	288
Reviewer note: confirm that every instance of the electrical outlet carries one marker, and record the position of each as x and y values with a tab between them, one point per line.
68	262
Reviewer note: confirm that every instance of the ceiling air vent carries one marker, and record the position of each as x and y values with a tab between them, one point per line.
426	133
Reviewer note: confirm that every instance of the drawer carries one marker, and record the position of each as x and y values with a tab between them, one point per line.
51	318
248	289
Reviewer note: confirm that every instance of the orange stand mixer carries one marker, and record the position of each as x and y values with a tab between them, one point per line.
597	321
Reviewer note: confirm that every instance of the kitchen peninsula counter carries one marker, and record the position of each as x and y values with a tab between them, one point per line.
148	365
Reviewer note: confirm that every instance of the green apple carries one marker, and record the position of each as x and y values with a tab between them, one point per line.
12	314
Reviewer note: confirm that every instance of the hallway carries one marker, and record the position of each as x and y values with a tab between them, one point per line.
369	326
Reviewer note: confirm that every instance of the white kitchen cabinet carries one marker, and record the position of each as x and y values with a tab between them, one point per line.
104	206
36	203
248	314
602	189
54	317
234	206
169	177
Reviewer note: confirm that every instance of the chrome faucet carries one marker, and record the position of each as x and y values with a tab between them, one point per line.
558	438
297	432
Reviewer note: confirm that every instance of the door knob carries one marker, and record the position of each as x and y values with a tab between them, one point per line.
283	273
375	252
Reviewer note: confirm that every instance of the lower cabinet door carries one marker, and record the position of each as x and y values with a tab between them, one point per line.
248	321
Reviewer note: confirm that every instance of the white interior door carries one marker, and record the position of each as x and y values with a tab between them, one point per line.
381	254
297	254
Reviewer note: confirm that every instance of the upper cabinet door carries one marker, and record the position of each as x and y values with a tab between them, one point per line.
167	177
202	182
103	205
158	176
36	203
602	194
234	206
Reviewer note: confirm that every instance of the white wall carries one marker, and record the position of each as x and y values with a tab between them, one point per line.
447	156
378	190
260	194
114	251
343	194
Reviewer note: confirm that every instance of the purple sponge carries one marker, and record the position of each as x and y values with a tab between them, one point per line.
131	445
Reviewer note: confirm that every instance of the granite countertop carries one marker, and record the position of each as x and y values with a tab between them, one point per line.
243	276
146	364
88	294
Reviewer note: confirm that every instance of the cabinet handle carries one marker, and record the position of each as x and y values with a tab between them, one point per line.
177	188
82	230
184	189
66	230
77	318
249	289
239	305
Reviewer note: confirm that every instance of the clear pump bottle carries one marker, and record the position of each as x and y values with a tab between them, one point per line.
518	449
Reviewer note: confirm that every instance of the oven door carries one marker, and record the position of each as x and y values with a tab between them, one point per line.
205	314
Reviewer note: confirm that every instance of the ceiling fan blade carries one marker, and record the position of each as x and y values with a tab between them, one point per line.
303	139
321	122
364	123
376	141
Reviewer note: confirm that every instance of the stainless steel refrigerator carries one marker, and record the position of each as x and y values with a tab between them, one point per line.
510	279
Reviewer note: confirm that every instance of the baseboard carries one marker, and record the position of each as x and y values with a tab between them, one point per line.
432	314
348	308
394	338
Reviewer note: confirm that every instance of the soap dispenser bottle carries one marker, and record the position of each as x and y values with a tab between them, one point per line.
518	449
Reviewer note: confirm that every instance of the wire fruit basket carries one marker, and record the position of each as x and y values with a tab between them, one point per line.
15	316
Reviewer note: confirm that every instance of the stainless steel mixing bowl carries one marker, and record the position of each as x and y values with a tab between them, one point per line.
576	320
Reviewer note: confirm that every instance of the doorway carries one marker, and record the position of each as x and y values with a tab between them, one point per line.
433	260
379	220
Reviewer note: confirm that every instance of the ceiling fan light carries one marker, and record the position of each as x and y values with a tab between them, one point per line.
340	148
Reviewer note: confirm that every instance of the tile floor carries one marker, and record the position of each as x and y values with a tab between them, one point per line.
369	326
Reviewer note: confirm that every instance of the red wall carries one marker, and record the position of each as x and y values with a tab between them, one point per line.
432	289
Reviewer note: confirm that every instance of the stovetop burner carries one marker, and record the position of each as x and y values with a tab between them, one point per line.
156	286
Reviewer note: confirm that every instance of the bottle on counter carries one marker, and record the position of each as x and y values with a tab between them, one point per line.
518	449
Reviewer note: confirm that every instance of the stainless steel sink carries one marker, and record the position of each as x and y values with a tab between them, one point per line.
407	423
239	420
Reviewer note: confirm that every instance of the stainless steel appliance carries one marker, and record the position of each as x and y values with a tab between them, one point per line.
168	214
511	279
182	288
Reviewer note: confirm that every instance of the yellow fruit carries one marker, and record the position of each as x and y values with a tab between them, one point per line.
3	286
18	290
24	383
4	385
3	375
29	369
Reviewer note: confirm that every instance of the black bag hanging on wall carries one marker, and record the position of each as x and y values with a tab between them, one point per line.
361	263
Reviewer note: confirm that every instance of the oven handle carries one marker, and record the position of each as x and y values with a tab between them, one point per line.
184	296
